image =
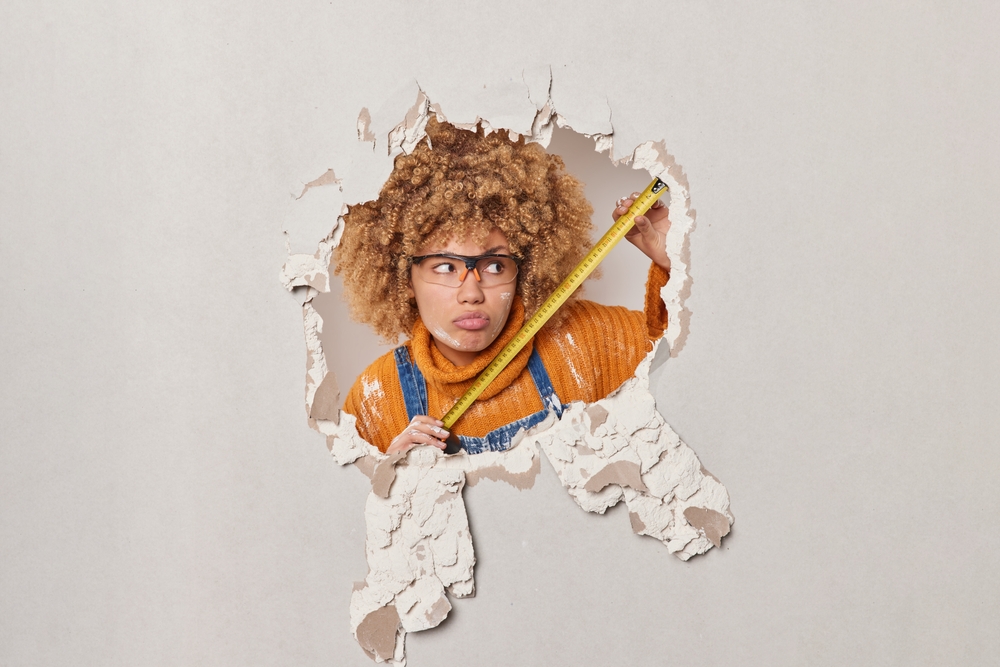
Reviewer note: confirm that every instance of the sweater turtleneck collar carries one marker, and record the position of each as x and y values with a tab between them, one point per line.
452	379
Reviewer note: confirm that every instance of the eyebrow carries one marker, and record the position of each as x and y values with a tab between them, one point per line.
488	251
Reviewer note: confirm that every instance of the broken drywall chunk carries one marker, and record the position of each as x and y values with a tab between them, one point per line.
326	178
633	455
500	472
418	545
366	464
622	473
714	524
385	473
587	107
407	134
326	400
308	270
598	415
364	126
377	633
384	121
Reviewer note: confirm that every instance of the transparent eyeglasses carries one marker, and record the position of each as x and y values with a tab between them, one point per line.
450	270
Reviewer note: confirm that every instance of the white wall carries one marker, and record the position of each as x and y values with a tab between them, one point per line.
162	500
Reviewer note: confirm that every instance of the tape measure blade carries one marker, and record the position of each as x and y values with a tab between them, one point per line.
583	269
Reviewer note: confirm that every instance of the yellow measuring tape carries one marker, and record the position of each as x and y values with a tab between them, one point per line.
586	266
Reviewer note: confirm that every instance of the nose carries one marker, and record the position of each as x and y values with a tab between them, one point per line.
470	290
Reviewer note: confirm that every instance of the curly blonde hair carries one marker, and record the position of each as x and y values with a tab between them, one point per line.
460	185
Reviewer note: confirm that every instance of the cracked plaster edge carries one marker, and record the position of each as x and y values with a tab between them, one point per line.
629	413
307	275
634	401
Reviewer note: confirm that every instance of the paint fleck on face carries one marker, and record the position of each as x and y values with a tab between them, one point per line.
463	320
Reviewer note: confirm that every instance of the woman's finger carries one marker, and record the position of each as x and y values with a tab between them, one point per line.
410	438
623	204
420	438
429	425
621	207
422	430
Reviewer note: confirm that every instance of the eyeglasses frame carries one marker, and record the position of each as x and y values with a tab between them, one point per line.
470	262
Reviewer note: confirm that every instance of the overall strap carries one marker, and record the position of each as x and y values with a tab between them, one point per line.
411	381
543	383
414	388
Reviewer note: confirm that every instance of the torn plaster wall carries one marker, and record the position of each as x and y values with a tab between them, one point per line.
839	376
418	543
620	448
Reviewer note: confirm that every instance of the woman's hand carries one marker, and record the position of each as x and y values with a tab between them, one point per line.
422	430
650	231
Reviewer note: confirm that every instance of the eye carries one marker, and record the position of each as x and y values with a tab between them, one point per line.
494	266
444	267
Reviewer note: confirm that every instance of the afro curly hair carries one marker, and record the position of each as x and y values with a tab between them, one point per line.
459	184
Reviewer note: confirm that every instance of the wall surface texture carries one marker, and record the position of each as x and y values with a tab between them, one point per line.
163	500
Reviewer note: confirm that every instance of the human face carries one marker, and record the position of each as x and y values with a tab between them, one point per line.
464	320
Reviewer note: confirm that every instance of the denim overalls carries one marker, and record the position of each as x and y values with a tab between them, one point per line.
414	387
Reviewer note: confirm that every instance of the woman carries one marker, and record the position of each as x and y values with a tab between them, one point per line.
470	234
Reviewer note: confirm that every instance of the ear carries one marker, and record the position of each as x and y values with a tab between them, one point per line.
409	289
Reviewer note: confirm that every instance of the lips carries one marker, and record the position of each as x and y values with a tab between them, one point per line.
472	321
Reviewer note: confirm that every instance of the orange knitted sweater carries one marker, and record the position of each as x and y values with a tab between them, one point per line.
592	351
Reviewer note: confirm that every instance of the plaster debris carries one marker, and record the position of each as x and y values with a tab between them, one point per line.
327	178
418	547
384	474
499	472
364	127
622	473
598	415
366	464
714	524
326	400
406	135
418	544
626	451
377	633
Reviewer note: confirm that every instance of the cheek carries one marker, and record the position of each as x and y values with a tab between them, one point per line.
442	335
429	302
506	300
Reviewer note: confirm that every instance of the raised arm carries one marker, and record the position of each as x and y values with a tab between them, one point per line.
650	232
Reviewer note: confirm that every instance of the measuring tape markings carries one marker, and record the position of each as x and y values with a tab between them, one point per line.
561	294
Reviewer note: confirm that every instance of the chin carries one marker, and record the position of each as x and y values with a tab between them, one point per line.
476	343
475	346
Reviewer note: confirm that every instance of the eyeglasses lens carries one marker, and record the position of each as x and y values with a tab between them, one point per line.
451	272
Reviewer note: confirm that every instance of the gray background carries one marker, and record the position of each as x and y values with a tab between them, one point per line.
163	502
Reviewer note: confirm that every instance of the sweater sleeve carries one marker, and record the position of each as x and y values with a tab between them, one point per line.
598	347
655	309
377	401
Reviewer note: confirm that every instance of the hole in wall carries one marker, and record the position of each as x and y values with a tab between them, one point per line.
352	346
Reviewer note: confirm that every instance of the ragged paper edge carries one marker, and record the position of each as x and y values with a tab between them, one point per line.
418	544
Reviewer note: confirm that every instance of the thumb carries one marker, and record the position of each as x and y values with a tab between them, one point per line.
645	228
